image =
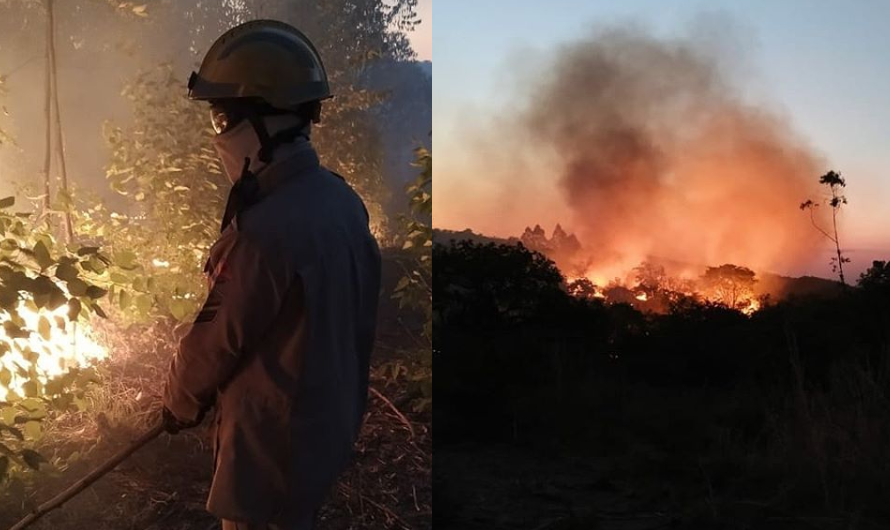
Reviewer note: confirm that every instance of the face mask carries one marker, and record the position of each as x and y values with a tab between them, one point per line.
234	146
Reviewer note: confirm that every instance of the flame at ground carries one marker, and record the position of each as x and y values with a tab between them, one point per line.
657	292
752	307
58	344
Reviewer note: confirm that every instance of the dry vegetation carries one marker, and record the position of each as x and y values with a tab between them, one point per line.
164	485
570	413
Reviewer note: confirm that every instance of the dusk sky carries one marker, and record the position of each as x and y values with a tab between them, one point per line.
422	37
821	66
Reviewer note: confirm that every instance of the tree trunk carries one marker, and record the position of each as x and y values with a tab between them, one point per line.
837	246
60	145
47	159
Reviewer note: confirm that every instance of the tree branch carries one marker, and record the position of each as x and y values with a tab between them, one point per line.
824	233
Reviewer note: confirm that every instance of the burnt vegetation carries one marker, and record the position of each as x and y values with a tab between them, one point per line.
559	410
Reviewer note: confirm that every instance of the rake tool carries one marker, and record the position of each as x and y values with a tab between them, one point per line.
93	476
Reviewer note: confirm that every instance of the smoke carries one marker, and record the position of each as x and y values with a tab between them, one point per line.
655	154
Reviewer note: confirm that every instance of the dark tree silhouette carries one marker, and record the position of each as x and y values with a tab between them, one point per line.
581	288
491	282
876	277
835	183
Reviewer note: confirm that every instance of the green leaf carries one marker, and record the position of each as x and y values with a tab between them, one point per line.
98	310
103	262
56	299
32	458
180	309
41	255
42	285
404	281
74	308
14	331
95	292
41	300
31	388
125	299
33	430
13	431
125	259
143	303
7	415
87	251
77	287
44	328
34	406
53	387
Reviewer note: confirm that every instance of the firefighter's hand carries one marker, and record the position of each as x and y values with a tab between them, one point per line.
173	425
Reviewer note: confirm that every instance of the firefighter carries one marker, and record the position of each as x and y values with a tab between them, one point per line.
281	347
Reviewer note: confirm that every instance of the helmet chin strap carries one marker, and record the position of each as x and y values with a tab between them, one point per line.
268	144
246	190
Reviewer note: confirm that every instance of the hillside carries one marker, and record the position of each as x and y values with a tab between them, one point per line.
776	286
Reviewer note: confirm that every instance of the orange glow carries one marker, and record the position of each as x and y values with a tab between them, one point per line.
752	307
645	150
67	346
669	289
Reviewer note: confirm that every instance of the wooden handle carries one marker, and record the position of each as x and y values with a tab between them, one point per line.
85	482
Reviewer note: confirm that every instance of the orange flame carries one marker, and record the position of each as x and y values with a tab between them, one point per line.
61	346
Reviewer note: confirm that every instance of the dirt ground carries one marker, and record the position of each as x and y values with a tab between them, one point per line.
164	485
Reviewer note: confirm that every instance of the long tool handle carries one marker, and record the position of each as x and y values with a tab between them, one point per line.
85	482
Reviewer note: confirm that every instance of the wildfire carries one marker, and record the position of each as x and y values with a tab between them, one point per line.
752	307
725	285
55	346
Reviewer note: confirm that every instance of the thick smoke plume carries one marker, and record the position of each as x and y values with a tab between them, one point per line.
658	156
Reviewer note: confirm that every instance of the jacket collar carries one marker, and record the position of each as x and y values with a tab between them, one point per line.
291	161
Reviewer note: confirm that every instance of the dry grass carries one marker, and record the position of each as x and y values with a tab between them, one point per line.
164	485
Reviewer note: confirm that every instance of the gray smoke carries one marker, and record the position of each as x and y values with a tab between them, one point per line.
658	154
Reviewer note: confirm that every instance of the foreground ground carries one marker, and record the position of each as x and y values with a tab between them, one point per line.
499	487
164	485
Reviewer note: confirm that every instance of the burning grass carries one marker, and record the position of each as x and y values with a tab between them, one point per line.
56	346
164	486
649	288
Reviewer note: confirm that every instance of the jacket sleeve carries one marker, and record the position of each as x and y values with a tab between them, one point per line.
246	293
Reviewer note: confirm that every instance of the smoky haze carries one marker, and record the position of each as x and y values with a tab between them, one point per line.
653	152
101	47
